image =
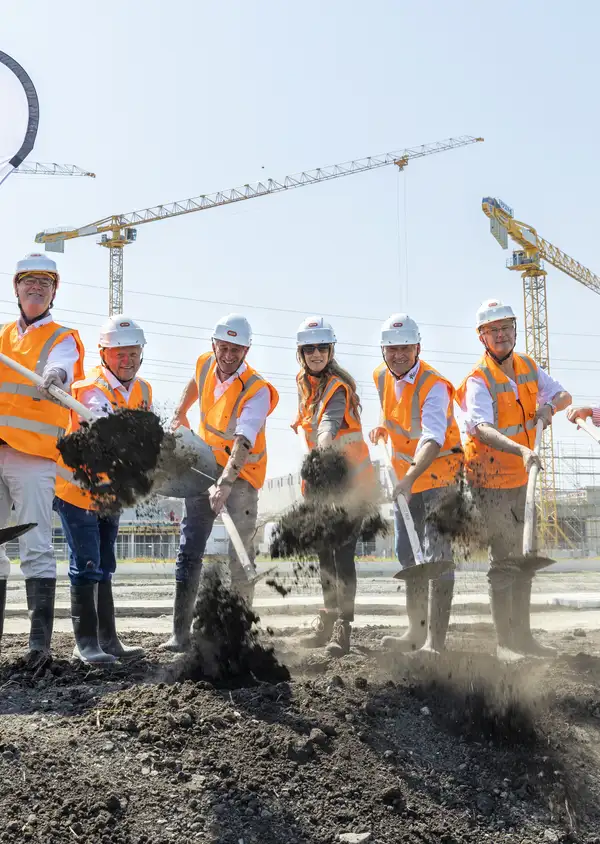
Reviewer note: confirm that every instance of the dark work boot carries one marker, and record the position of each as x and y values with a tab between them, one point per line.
183	613
2	605
41	592
501	605
323	625
339	644
417	600
440	604
522	607
107	631
85	624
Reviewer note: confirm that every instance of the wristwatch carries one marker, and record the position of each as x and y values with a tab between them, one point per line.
552	407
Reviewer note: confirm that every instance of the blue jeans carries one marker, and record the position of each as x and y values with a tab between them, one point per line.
91	539
436	547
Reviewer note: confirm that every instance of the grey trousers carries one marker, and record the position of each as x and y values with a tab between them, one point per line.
197	525
503	517
435	545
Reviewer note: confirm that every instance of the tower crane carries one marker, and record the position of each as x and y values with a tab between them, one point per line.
117	231
35	168
528	260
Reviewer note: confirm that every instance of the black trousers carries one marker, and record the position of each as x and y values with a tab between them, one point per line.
338	579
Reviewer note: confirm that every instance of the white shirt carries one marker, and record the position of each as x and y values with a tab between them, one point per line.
434	413
254	412
63	354
477	405
95	400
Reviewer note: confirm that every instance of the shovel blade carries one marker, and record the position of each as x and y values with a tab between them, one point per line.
175	475
425	571
254	579
14	531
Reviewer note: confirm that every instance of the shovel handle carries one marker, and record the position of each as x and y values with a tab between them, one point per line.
236	541
60	395
403	507
589	428
529	526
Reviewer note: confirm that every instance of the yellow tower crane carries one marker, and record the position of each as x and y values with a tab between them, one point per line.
36	168
528	260
117	231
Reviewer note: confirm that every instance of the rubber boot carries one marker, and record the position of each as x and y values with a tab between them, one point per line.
107	631
417	597
339	644
2	605
41	592
183	613
323	629
522	608
440	604
501	605
85	625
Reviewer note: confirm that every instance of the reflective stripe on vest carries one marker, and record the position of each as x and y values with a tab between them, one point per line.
415	411
229	432
45	351
32	426
496	387
30	390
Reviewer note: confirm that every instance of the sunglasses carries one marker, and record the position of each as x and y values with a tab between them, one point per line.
320	347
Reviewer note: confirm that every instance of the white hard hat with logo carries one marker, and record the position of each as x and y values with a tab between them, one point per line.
120	330
400	330
233	328
492	310
314	330
37	262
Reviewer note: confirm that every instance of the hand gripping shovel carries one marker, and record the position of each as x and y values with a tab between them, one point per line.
422	569
589	428
531	559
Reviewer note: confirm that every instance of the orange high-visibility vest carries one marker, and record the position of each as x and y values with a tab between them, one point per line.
218	418
139	396
402	420
487	467
28	422
349	437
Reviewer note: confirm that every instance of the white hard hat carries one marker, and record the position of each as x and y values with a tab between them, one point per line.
233	328
491	310
400	330
120	330
314	330
36	262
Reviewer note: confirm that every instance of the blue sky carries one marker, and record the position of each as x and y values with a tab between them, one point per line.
166	101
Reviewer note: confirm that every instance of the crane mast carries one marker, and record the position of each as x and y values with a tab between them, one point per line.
119	230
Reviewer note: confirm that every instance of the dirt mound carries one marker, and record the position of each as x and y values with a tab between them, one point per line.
113	458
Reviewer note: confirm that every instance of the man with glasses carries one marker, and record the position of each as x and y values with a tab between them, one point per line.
502	399
30	423
234	402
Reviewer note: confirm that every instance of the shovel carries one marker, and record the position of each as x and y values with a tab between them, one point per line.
531	560
589	428
14	531
421	569
173	475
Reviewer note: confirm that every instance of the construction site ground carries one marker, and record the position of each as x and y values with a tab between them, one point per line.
369	748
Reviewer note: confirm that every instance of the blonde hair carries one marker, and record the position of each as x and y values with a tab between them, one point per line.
332	368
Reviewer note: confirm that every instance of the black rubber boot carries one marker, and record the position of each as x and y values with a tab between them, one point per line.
107	631
440	605
41	592
522	607
183	613
501	605
417	599
85	625
339	644
2	605
323	629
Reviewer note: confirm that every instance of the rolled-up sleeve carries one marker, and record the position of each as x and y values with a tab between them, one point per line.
253	415
548	387
434	415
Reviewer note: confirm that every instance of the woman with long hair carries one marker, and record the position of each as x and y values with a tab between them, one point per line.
329	415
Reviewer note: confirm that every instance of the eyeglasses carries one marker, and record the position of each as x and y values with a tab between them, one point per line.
43	283
500	329
320	347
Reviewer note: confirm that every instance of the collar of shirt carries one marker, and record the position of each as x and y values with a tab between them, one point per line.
221	386
115	384
409	378
23	329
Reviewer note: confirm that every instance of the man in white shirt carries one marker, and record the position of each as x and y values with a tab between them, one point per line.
502	399
418	421
30	422
234	404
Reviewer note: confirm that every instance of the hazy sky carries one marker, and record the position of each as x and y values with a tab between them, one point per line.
167	101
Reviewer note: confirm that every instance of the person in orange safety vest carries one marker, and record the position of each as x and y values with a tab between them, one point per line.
234	403
30	423
91	536
502	399
329	414
418	426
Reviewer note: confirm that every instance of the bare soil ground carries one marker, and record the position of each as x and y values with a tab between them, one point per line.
449	750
